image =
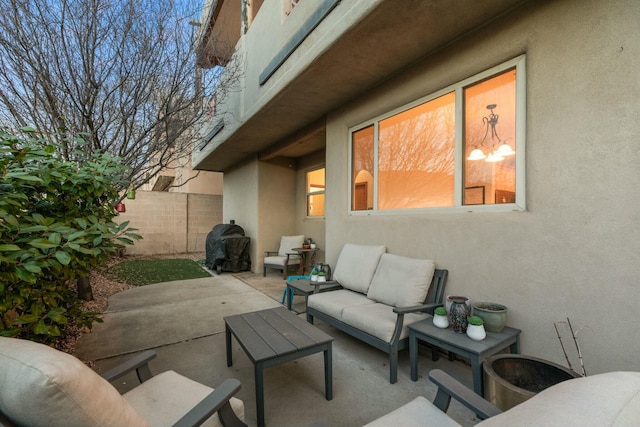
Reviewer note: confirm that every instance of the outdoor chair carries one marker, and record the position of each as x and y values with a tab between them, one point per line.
41	386
285	257
609	399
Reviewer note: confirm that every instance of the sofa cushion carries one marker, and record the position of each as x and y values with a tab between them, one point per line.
41	384
610	399
379	320
401	281
356	266
333	303
165	398
417	413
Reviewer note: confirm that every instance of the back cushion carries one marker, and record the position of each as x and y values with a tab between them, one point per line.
46	387
400	281
356	266
287	243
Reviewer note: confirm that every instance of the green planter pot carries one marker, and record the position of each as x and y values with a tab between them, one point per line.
494	315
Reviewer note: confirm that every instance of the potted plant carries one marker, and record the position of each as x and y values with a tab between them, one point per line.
322	276
314	275
493	314
440	318
475	328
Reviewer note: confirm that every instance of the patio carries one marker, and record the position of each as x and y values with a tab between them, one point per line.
183	322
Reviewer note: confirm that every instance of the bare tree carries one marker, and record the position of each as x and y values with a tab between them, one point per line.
121	73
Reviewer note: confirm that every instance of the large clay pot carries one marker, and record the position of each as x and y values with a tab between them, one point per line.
510	379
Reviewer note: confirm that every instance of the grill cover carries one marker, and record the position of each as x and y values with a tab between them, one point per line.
227	249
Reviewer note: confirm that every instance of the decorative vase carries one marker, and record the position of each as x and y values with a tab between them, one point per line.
476	332
458	313
449	301
440	321
494	315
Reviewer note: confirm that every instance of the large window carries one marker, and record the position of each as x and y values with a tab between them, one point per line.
315	192
462	147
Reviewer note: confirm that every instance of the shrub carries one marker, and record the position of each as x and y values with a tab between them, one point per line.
55	227
441	311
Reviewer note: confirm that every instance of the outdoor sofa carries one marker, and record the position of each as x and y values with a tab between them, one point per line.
610	399
380	295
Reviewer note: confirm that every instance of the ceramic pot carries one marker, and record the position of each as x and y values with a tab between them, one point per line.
322	278
476	332
458	313
440	321
494	315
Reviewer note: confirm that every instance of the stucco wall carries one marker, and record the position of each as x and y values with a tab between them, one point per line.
241	183
171	222
574	252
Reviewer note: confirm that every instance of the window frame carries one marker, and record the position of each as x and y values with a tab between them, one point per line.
315	193
519	63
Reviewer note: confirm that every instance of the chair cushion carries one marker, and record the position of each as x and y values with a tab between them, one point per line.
610	399
333	303
280	260
165	398
417	413
400	281
379	320
45	387
287	243
356	266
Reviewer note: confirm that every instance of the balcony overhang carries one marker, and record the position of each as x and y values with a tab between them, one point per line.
386	41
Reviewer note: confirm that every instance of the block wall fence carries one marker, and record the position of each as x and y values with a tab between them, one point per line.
171	222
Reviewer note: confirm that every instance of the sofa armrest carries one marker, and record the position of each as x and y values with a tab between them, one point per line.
334	286
449	387
413	309
139	363
270	253
216	401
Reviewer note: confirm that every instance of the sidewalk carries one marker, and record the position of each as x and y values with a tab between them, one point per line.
183	322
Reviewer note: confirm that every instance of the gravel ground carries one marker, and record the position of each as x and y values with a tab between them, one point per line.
103	287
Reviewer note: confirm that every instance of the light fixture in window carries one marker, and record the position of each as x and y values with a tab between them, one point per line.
498	149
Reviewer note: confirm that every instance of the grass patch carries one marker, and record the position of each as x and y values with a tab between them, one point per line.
143	272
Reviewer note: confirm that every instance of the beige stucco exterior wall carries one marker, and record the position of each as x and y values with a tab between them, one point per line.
257	48
268	201
313	227
171	222
574	252
242	206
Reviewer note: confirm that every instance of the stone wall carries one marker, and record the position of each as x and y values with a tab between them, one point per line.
171	222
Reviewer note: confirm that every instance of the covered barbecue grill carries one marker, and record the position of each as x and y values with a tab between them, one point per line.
227	249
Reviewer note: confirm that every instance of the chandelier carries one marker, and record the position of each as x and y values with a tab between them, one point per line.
498	149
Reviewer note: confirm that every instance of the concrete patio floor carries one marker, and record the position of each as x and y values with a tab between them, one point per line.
183	322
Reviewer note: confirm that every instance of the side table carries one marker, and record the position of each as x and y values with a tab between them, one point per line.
307	258
306	287
462	345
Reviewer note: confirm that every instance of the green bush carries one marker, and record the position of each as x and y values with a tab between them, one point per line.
55	227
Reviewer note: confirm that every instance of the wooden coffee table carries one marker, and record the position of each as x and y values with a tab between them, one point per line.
274	336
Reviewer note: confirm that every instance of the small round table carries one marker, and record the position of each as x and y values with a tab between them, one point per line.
307	258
